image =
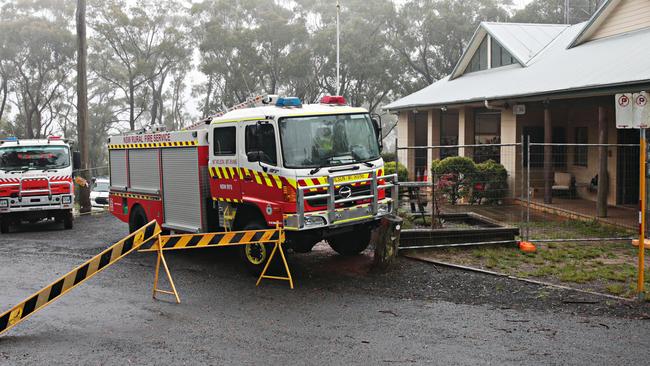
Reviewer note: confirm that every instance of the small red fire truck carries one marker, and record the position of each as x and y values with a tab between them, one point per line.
36	181
315	170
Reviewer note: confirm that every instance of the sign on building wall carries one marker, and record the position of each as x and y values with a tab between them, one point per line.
632	110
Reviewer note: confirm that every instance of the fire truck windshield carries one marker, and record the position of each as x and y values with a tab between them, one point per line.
319	141
34	157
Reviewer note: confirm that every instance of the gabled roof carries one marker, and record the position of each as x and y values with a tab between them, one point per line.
522	40
613	61
594	22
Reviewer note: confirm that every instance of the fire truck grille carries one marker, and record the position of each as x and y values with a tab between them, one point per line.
34	184
357	191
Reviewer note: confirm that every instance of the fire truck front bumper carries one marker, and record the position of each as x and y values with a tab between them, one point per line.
340	217
335	215
36	203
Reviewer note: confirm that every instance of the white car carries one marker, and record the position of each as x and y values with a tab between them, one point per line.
99	193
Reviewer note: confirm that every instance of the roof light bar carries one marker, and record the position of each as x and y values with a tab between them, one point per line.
288	102
333	99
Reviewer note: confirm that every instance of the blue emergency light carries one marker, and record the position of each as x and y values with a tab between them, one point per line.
288	102
10	139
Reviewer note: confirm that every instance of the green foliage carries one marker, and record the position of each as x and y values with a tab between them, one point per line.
552	11
490	182
459	177
402	172
454	177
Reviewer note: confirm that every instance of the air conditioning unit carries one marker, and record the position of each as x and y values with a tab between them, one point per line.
519	109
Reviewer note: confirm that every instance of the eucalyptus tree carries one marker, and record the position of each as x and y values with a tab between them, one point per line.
37	50
370	71
247	47
431	35
136	45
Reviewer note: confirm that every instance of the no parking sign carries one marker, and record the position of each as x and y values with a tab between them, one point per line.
632	110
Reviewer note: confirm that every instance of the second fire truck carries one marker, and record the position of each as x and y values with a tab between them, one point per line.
36	181
315	170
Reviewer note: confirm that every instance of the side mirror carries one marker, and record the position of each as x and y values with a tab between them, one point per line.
376	122
76	160
254	156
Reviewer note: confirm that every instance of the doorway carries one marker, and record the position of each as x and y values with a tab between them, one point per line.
627	168
421	132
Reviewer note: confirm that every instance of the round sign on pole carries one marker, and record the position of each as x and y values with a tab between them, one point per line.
641	100
623	100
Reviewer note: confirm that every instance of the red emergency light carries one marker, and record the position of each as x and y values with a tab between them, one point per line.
333	99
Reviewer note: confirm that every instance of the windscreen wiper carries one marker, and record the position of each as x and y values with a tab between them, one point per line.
368	164
315	170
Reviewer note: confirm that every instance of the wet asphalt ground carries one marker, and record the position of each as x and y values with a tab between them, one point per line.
340	312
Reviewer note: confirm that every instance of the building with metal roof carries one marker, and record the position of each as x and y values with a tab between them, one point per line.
544	82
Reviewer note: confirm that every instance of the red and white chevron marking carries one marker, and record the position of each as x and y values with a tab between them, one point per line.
58	178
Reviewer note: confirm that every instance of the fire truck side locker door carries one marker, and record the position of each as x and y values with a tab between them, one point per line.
225	183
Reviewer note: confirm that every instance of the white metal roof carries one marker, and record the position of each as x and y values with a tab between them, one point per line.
524	40
613	61
304	110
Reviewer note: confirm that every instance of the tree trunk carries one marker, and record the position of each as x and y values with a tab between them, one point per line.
208	94
82	105
131	104
386	238
29	127
4	98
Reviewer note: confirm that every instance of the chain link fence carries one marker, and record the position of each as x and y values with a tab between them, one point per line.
550	192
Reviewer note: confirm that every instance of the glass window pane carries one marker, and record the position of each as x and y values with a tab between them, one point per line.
224	140
261	138
496	54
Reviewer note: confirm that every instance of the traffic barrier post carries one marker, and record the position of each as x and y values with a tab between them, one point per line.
276	237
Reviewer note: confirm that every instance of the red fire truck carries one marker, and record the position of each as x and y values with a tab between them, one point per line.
36	181
315	170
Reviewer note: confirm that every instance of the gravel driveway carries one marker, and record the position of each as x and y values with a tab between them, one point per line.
339	313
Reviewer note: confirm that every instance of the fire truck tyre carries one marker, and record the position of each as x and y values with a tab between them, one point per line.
4	226
137	219
255	256
353	243
67	220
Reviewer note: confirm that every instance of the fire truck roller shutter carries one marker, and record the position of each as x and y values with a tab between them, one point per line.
144	170
118	168
181	190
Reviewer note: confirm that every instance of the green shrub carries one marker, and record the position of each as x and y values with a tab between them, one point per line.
491	182
454	176
459	178
402	172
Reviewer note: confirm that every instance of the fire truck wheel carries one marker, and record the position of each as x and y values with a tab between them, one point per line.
255	256
137	219
67	220
4	226
353	243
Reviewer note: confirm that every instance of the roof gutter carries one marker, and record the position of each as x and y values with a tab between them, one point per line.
494	107
580	92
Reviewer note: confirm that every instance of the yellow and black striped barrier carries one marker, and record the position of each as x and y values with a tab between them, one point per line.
145	235
222	239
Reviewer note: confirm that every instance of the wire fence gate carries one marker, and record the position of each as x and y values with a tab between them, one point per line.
462	195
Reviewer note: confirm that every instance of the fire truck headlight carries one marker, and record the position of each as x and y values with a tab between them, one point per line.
66	200
314	221
4	203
